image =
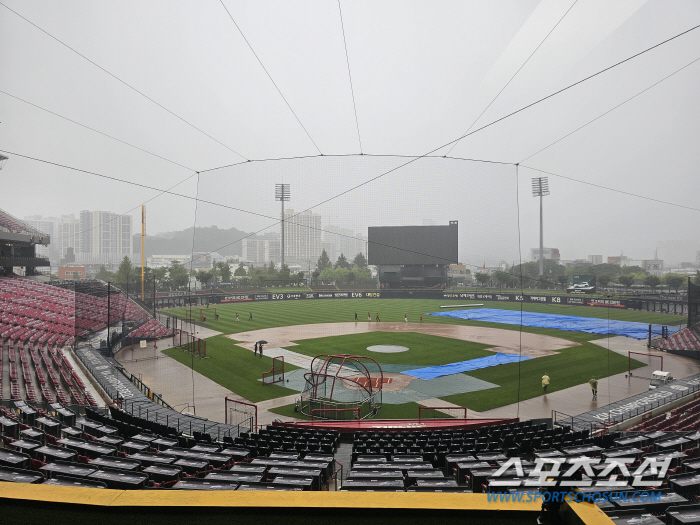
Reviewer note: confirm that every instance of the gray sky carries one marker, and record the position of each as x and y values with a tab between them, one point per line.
422	73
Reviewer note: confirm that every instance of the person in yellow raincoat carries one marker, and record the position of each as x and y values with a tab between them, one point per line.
545	382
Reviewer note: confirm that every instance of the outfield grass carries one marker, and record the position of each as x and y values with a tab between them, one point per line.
519	381
267	314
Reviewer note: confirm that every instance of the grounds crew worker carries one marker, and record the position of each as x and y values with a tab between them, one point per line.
545	382
594	386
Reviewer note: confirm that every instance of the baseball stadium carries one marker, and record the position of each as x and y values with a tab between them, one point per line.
387	349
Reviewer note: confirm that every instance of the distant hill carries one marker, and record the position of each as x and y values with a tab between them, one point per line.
207	239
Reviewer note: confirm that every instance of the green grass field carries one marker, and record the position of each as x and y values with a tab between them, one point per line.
238	370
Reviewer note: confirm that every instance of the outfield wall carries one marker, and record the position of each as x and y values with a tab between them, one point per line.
644	304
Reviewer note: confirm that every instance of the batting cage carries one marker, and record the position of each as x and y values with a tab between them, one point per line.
342	387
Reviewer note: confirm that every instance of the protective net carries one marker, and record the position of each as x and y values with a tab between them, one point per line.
241	414
644	364
276	373
342	387
694	306
441	412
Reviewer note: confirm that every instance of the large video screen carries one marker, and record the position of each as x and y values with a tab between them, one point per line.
412	244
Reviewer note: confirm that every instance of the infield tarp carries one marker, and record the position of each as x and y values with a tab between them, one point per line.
573	323
433	372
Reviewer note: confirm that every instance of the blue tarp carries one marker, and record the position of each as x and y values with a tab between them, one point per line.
574	323
433	372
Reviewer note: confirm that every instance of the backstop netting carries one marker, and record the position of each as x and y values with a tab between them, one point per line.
95	305
240	413
276	373
694	307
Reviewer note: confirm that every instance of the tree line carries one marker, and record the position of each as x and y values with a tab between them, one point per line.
557	276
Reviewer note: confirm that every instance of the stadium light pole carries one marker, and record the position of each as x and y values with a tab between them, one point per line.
540	188
282	194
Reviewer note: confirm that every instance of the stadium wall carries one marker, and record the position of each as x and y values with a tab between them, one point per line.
678	307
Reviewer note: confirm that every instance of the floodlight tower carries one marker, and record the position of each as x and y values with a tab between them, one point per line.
282	194
540	188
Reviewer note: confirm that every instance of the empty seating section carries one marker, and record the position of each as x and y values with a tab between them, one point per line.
37	320
686	339
57	446
151	329
30	311
684	418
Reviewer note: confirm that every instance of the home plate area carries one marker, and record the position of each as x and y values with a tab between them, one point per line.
364	381
397	386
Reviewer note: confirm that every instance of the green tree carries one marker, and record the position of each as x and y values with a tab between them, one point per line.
501	278
300	276
604	279
360	260
125	273
224	270
626	270
204	276
284	272
696	279
562	280
161	277
327	275
341	275
104	275
675	281
240	271
652	281
342	262
626	281
323	262
272	270
177	275
482	278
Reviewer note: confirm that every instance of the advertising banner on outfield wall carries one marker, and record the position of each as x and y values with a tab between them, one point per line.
425	294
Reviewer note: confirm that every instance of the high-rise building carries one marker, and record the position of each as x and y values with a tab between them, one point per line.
262	251
595	259
549	253
68	234
105	237
302	236
48	225
676	252
338	240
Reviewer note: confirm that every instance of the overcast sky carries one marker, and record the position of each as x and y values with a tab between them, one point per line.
422	72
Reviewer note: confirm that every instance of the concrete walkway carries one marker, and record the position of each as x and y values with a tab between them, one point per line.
181	387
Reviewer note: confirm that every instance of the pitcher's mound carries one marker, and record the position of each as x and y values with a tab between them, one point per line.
387	349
